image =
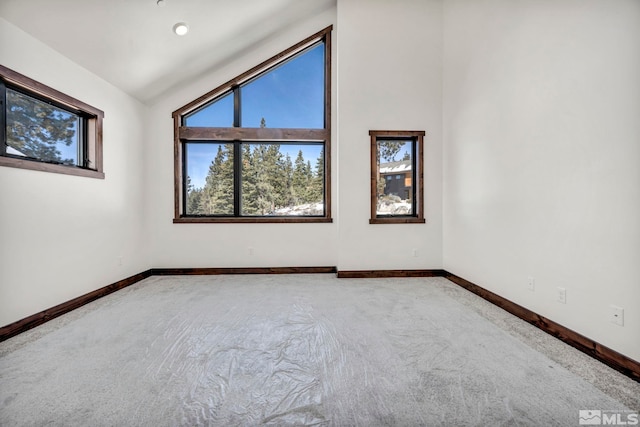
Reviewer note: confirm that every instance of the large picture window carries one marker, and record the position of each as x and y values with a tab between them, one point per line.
396	177
257	148
43	129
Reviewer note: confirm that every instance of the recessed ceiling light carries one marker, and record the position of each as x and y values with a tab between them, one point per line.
161	3
181	28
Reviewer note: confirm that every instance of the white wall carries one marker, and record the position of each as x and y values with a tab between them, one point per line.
542	150
227	245
541	146
389	78
61	235
406	97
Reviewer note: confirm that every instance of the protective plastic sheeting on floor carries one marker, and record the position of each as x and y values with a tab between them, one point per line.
282	350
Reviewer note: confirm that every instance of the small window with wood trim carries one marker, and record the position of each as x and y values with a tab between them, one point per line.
45	130
396	177
258	148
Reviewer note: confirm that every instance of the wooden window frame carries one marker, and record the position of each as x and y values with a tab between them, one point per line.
184	134
418	160
91	139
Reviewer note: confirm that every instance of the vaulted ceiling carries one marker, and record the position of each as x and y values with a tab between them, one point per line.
130	43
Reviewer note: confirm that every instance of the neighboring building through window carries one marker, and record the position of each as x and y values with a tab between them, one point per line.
257	148
43	129
396	177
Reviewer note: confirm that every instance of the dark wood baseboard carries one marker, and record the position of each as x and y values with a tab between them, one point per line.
240	270
38	319
612	358
373	274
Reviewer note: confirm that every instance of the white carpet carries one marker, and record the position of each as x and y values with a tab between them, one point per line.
284	350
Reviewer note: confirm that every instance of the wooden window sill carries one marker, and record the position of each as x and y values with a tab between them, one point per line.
247	220
397	221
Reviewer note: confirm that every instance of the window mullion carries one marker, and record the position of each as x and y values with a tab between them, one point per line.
237	107
82	149
185	181
237	163
3	118
414	175
237	172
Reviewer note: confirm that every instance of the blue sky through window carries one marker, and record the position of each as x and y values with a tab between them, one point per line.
199	158
217	114
288	96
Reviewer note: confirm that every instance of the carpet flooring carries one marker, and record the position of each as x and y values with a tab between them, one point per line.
298	350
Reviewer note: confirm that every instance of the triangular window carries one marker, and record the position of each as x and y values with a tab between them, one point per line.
218	113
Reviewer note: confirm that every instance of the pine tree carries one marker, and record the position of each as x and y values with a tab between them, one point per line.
194	196
274	163
35	128
285	175
309	175
262	187
261	195
217	197
317	181
260	177
249	205
301	180
388	150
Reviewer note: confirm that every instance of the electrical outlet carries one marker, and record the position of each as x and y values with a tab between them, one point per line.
531	283
562	295
250	250
415	252
119	261
616	315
